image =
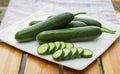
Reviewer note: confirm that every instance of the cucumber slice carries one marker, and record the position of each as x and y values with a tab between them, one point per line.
87	53
51	47
69	45
58	45
43	49
62	45
58	55
80	51
67	54
74	53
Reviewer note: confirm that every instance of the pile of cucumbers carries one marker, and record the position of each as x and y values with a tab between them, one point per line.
63	50
62	27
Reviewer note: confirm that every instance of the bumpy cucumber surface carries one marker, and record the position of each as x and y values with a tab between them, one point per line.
70	34
29	33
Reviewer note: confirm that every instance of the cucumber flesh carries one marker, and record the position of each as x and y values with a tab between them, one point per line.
43	49
74	53
58	45
67	54
58	55
51	47
87	53
62	45
80	51
69	45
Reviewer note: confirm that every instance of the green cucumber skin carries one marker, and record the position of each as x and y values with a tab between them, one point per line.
75	24
70	25
71	34
29	33
34	22
88	21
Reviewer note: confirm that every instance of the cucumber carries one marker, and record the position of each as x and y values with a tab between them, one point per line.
67	54
74	53
75	24
43	49
51	47
58	55
29	33
87	53
57	45
71	34
69	45
62	45
80	51
88	21
93	22
70	25
34	22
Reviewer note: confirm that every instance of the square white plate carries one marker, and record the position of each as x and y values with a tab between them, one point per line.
98	46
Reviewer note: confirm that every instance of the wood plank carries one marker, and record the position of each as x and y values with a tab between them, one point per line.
92	69
111	59
10	59
36	65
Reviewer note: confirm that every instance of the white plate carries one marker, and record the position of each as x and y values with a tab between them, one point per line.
98	46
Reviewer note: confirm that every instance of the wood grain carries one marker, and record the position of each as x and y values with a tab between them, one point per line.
92	69
39	66
36	65
10	59
111	59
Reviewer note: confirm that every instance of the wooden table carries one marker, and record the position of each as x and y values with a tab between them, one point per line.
14	61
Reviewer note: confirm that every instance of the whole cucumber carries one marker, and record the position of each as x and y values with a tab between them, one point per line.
70	25
29	33
88	21
70	34
74	24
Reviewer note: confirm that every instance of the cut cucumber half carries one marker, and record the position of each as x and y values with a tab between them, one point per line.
62	45
43	49
80	51
51	47
67	54
58	55
58	45
74	53
69	45
87	53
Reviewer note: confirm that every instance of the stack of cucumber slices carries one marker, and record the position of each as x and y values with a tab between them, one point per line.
63	51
